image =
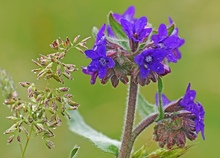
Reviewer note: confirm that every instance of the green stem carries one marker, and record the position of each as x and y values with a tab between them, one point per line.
21	148
160	106
27	141
126	147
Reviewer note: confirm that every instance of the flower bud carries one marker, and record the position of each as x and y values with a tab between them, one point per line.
10	139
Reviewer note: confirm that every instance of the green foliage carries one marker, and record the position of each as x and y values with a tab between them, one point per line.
78	126
74	152
7	85
141	153
144	107
171	28
116	27
166	153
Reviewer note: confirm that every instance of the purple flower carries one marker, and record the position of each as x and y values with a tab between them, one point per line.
110	32
151	60
165	100
100	37
171	42
199	120
128	15
136	31
100	63
188	99
195	108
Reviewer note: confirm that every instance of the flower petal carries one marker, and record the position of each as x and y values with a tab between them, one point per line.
91	54
165	100
159	54
157	67
144	72
102	72
139	59
144	33
110	63
101	50
127	27
162	31
129	13
140	24
93	66
110	31
100	34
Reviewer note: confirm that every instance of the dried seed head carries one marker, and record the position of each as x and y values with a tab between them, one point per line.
174	130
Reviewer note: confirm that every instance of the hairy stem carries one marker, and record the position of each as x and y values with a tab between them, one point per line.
126	147
27	141
140	127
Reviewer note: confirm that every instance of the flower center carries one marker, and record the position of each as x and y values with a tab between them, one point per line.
148	59
103	61
135	35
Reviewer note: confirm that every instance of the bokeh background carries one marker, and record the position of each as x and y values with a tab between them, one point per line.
28	27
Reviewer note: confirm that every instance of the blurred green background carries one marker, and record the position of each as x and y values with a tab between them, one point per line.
28	27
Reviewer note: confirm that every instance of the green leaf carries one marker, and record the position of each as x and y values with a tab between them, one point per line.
78	126
169	153
144	107
170	29
141	153
121	42
116	27
74	152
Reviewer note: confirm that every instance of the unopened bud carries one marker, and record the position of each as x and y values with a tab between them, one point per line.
12	129
76	39
54	45
49	144
12	118
19	139
10	139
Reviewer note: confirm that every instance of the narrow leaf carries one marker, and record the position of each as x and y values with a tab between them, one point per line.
116	27
144	107
141	153
170	29
74	152
169	153
78	126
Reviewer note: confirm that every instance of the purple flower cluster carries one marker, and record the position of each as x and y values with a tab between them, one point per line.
167	42
136	31
195	108
187	103
100	61
138	53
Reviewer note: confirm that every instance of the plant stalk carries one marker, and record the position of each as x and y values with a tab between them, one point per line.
126	147
27	141
140	127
